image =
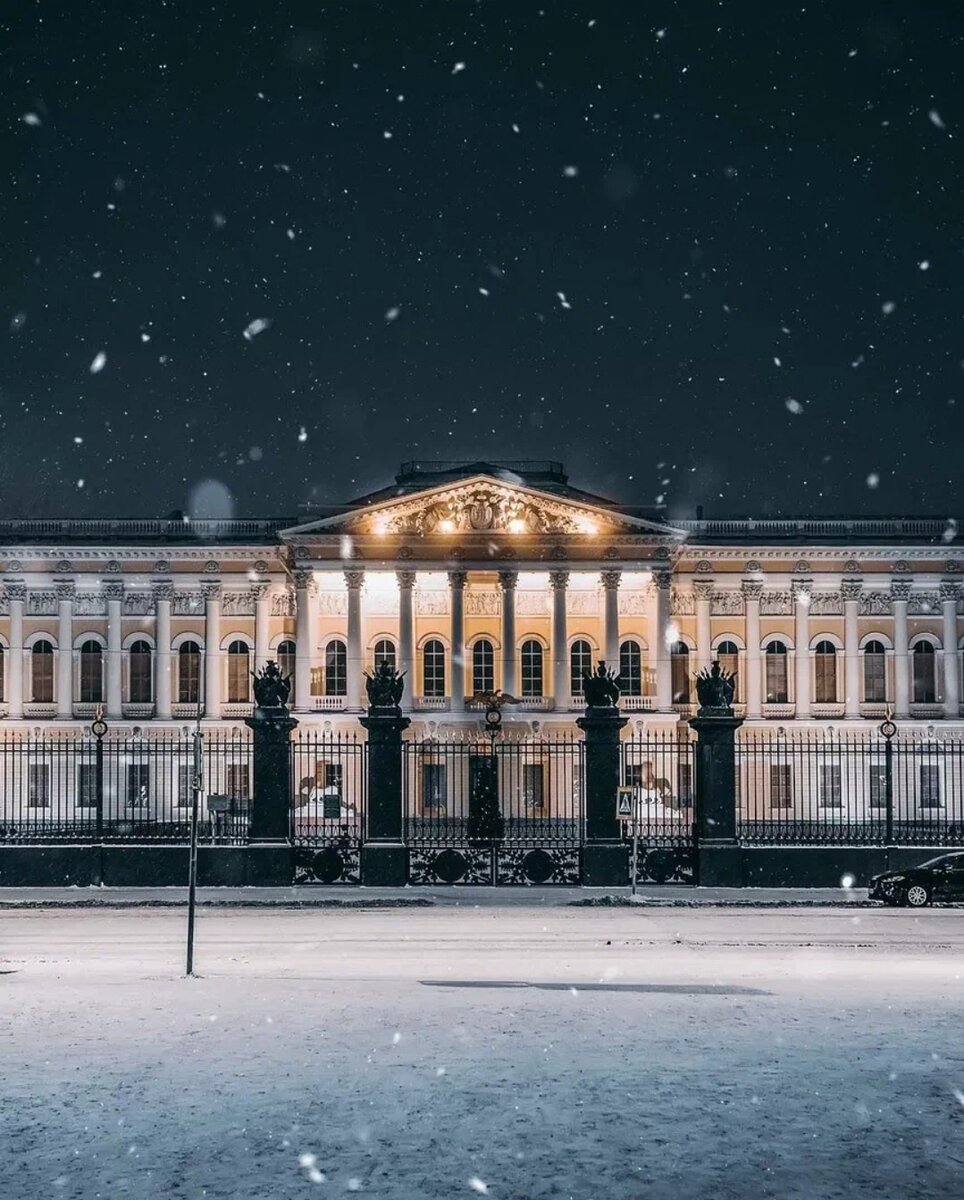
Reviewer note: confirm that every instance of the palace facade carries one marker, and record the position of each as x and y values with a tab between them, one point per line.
471	578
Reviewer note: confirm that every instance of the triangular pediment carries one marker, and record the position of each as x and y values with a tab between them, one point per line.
482	505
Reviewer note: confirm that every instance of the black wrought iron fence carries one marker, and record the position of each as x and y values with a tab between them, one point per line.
658	768
329	782
72	787
823	787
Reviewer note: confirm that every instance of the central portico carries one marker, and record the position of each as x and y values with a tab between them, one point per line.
471	579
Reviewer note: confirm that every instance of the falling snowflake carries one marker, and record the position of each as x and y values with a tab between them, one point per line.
302	434
78	441
924	265
31	118
661	33
80	483
17	321
219	220
562	300
483	291
793	406
887	307
847	882
479	1185
387	134
145	337
258	325
950	533
392	314
396	1038
459	66
98	364
570	172
290	234
935	119
515	128
777	362
873	480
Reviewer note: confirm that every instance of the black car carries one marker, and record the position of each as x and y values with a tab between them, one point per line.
937	879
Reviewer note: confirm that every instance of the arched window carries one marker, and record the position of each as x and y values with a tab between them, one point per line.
141	673
679	657
630	669
433	668
384	653
336	668
875	673
483	666
531	668
188	673
777	675
91	672
825	673
580	660
286	660
42	672
239	666
729	655
925	674
2	675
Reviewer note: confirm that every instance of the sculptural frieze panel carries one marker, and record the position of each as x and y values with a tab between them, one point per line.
682	603
632	603
531	603
188	604
726	604
332	604
138	604
432	603
90	604
874	604
282	604
776	604
237	604
924	604
41	604
483	604
826	604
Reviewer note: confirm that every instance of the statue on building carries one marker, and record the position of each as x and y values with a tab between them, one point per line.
384	686
601	688
716	688
271	688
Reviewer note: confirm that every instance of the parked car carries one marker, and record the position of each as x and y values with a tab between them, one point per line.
937	879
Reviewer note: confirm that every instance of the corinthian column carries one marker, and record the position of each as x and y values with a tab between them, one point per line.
559	581
212	647
16	595
457	599
163	595
664	664
406	632
900	594
850	590
611	579
752	592
65	589
703	589
508	580
304	640
114	591
801	637
952	690
354	579
262	614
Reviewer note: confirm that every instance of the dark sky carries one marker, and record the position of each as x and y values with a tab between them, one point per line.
710	252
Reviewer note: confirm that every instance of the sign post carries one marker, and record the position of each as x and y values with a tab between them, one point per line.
624	811
196	784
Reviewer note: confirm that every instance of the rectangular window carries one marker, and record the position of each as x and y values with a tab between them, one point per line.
138	785
825	678
38	785
781	786
87	785
930	785
875	678
533	785
185	783
634	775
877	785
188	677
776	678
831	795
433	789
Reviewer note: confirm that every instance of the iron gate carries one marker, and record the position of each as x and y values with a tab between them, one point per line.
329	782
659	770
484	812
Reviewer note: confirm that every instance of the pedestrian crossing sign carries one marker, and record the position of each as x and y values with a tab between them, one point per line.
624	802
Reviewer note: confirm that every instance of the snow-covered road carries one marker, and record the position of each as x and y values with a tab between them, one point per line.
676	1053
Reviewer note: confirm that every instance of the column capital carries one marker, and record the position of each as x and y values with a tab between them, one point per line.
113	589
900	589
752	590
611	578
211	588
950	591
303	579
703	589
66	589
662	580
850	589
457	580
508	580
405	577
801	590
354	578
558	580
163	589
16	590
260	591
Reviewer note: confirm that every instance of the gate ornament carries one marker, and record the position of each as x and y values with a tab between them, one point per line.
384	686
601	688
271	688
715	689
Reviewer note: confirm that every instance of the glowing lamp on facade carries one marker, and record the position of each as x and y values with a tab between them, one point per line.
588	527
447	525
517	525
380	526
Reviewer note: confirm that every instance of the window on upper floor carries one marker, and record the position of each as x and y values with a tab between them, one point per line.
433	668
825	673
532	668
42	672
141	673
91	672
580	661
925	673
679	657
630	669
729	655
483	666
777	675
3	694
239	668
875	673
384	652
336	668
286	660
188	673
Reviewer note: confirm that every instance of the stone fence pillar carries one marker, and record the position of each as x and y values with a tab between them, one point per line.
717	850
605	861
384	855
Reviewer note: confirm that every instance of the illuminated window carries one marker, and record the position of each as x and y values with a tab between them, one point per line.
239	678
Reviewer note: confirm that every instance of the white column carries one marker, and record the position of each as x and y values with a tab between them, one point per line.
508	580
952	689
703	590
262	614
900	594
304	640
801	638
16	595
65	647
457	632
406	633
212	648
664	664
753	684
356	660
850	590
610	581
114	591
163	595
559	581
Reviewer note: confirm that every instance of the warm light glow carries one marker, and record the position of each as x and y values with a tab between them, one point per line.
517	525
588	526
671	636
447	525
381	526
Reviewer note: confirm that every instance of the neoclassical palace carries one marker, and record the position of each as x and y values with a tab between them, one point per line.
475	577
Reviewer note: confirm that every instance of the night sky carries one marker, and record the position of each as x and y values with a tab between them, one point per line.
702	252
